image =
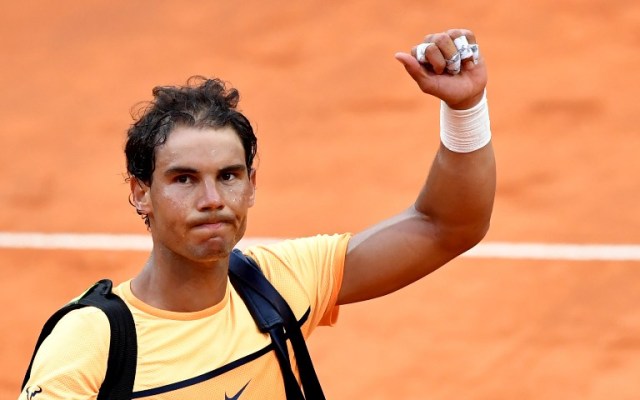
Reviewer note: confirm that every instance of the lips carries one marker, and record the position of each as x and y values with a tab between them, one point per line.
211	223
211	230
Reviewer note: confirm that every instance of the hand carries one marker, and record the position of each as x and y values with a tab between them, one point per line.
460	91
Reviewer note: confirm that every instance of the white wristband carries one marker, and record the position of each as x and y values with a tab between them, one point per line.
464	131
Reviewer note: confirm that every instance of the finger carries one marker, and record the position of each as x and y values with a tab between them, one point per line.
429	56
473	44
465	42
428	38
455	33
449	57
462	45
419	51
441	57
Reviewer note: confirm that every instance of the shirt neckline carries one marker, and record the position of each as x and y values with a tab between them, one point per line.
135	302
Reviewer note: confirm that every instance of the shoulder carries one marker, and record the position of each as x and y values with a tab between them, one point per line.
88	325
307	251
307	271
72	360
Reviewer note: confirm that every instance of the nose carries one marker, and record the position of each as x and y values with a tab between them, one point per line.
209	198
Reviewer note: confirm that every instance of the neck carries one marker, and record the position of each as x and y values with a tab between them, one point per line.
181	285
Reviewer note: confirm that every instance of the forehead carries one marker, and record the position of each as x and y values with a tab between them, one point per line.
197	145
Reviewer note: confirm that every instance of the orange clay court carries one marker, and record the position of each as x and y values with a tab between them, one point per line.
345	140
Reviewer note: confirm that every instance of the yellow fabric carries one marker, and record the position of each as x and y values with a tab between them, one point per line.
215	353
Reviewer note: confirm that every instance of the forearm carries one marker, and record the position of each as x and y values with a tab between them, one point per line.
458	196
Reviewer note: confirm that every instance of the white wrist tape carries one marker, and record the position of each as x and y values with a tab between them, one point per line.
464	131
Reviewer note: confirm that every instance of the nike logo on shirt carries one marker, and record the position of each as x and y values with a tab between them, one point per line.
237	395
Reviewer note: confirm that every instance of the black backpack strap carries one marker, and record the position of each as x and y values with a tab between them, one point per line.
123	345
272	313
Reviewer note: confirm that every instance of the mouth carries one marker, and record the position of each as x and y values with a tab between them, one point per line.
212	224
211	231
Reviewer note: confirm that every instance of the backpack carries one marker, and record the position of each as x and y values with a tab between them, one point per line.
268	308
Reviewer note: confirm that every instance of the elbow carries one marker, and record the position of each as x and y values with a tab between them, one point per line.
460	239
479	235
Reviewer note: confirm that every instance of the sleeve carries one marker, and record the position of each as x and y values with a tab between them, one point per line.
308	273
72	361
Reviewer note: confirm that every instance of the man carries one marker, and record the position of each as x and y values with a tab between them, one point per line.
190	163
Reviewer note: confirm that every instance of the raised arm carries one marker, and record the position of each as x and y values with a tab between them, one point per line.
452	211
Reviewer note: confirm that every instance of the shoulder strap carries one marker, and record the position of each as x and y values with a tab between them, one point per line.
272	313
123	345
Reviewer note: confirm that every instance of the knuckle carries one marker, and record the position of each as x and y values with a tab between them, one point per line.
442	40
432	50
455	33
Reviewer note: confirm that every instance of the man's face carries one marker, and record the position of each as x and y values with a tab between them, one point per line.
200	194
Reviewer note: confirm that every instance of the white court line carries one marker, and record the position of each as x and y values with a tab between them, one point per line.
127	242
554	251
92	241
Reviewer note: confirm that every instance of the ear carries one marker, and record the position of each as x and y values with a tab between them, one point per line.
140	196
252	180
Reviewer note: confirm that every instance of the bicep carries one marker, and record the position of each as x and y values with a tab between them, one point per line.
390	256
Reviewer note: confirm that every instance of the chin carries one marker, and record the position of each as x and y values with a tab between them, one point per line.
213	249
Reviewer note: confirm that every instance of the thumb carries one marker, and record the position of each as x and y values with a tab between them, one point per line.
412	66
416	71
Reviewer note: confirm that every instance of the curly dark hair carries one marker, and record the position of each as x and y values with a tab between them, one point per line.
201	103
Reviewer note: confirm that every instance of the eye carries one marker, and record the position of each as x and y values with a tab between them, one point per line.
183	179
228	176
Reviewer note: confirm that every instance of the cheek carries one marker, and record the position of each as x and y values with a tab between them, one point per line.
169	201
246	197
240	197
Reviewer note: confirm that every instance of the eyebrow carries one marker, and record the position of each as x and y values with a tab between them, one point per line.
234	168
178	170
